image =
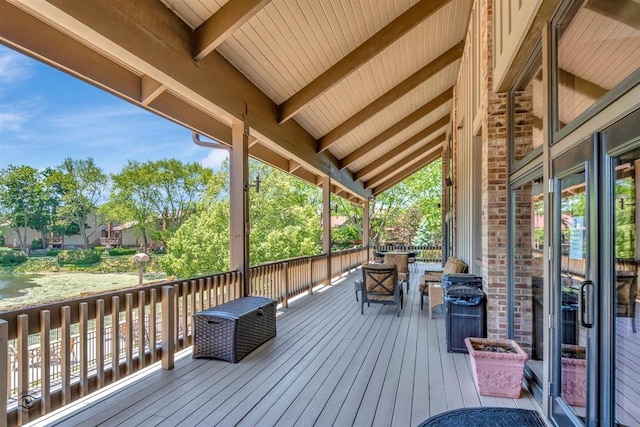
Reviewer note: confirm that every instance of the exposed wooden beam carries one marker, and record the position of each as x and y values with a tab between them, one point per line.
625	11
397	128
149	89
405	149
168	105
148	38
359	56
391	96
408	172
293	166
215	30
273	159
580	85
405	163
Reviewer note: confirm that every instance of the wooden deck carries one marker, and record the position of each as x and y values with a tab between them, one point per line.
328	365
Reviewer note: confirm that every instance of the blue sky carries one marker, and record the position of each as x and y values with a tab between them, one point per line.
47	115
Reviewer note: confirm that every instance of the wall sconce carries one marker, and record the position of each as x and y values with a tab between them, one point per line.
255	184
621	200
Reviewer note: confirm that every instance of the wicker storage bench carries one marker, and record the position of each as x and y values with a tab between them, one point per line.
232	330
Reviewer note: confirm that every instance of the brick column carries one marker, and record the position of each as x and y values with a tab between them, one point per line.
494	184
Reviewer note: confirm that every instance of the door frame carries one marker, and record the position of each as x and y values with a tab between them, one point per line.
581	156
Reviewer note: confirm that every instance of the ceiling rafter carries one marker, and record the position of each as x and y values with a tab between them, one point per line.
391	96
148	38
408	172
405	163
405	149
359	56
150	89
397	128
215	30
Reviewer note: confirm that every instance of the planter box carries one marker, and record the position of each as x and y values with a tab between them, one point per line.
497	374
574	375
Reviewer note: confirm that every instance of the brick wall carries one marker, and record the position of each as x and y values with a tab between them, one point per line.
494	183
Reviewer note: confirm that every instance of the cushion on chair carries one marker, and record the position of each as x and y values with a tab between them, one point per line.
401	261
454	265
374	290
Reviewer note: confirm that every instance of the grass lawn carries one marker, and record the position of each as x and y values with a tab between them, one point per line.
62	286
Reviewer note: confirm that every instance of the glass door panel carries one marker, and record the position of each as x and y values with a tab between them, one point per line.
573	290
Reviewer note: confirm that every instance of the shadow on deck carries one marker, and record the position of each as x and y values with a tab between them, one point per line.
328	365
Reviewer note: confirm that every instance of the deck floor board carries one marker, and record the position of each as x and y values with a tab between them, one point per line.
328	365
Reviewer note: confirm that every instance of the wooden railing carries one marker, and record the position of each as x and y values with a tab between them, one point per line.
426	253
56	353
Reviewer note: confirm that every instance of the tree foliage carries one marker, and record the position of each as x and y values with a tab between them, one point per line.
28	199
82	185
146	194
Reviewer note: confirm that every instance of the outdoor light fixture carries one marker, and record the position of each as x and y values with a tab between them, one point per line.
255	184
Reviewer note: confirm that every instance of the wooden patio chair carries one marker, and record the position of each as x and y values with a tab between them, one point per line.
454	265
380	286
401	261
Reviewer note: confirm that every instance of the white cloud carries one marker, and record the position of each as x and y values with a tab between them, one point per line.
214	159
13	66
11	120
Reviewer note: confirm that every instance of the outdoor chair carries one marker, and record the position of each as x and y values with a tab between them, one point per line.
626	292
401	261
454	265
380	286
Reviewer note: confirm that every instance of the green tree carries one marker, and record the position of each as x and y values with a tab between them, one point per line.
284	217
20	193
82	185
201	245
173	190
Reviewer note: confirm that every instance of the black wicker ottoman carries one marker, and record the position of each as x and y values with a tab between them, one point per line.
232	330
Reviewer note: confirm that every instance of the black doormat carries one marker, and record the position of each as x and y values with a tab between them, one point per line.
495	417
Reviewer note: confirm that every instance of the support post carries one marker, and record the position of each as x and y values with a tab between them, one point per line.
365	228
326	223
239	203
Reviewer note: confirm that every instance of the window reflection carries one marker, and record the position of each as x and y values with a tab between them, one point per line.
528	268
598	47
527	113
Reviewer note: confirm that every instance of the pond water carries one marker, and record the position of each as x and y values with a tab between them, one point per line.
15	285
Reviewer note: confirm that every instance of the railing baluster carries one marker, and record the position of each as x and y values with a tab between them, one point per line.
152	324
115	339
100	336
142	352
168	334
23	363
184	309
45	361
65	353
84	359
176	316
128	332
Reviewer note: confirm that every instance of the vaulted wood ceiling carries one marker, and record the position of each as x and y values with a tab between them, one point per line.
356	89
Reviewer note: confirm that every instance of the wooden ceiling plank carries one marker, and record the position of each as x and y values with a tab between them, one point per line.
150	89
404	163
148	37
215	30
408	172
406	148
359	56
397	128
391	96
